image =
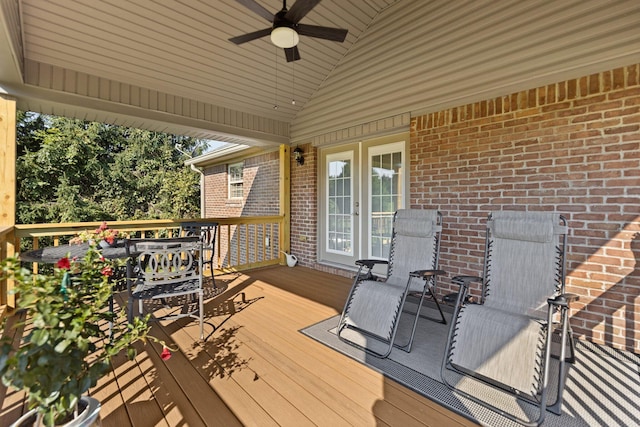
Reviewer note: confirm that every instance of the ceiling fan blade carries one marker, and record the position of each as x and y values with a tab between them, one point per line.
299	9
250	36
256	8
292	54
335	34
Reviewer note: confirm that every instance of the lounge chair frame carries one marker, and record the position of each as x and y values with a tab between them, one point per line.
558	302
421	281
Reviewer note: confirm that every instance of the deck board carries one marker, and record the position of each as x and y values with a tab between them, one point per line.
256	369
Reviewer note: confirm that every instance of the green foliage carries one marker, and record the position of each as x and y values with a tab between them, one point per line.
71	171
69	345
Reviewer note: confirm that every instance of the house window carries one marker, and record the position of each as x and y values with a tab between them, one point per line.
235	181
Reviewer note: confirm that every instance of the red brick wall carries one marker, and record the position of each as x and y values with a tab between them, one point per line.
571	147
304	207
260	186
261	198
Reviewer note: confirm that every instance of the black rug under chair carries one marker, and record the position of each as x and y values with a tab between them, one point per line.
602	388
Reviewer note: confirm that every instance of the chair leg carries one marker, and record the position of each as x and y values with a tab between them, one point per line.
201	314
408	346
556	407
442	320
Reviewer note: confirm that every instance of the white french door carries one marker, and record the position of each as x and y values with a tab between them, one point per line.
339	205
361	186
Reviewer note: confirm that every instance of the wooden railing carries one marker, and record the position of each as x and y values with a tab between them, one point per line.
242	243
6	238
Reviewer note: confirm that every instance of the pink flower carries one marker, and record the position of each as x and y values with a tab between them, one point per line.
103	226
64	263
106	271
166	354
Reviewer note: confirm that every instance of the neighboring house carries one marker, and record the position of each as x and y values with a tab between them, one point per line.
238	181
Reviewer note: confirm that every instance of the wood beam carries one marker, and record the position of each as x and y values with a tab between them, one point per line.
8	152
285	200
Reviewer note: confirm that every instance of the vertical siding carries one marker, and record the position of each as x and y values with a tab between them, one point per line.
439	53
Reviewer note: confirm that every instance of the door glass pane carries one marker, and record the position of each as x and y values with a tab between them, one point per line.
386	198
339	238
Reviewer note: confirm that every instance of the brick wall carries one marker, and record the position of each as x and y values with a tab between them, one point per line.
304	207
260	186
571	147
261	198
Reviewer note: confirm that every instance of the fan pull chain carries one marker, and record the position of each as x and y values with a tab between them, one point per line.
293	83
275	95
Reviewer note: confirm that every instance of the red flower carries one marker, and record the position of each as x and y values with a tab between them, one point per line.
102	227
166	354
64	263
106	271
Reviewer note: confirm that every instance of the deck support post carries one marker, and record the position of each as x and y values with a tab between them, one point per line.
285	200
8	152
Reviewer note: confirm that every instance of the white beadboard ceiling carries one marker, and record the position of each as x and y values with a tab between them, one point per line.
167	65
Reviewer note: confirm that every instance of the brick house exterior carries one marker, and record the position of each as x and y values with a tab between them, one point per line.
260	173
572	147
260	187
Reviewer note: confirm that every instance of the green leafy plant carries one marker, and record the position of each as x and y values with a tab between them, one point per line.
70	341
101	233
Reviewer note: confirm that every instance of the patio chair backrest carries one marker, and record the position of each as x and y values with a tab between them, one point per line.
415	242
169	261
207	232
524	260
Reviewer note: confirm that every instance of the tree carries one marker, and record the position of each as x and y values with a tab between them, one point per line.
70	170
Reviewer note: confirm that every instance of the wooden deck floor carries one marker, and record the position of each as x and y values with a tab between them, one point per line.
256	369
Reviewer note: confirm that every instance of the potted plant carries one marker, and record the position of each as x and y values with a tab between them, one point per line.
72	337
104	235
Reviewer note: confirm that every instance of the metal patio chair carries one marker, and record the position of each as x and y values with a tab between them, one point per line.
373	308
167	274
207	232
505	340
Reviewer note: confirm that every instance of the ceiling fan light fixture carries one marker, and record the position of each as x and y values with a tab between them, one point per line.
284	37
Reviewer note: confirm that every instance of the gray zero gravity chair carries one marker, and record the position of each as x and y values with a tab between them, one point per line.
372	312
504	340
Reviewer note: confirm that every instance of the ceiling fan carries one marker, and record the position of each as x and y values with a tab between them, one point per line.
286	29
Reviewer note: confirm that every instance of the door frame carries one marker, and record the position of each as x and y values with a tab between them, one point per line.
361	177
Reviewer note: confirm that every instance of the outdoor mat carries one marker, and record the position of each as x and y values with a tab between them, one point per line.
602	388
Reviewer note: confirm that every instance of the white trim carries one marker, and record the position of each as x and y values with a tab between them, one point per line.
393	147
236	181
344	155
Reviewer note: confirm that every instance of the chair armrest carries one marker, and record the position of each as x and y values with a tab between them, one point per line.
425	274
563	300
369	263
464	281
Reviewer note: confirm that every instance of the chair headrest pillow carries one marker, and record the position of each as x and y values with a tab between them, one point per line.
520	229
414	227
